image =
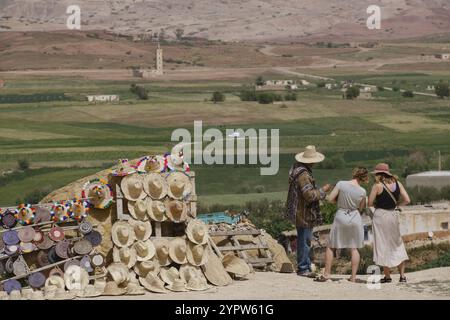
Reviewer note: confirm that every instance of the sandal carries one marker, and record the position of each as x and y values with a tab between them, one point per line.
402	279
322	279
386	280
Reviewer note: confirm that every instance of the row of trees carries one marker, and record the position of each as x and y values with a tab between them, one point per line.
266	97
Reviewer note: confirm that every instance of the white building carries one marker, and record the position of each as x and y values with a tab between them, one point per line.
436	179
159	66
443	56
103	98
304	83
431	88
278	83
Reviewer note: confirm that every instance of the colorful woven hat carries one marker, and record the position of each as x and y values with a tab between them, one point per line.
177	250
38	236
36	280
132	187
62	249
151	164
27	247
155	186
76	278
52	256
125	255
12	284
157	211
56	234
8	219
144	267
60	212
12	250
142	229
99	193
123	168
162	251
178	285
82	247
94	237
169	274
78	209
122	234
145	250
46	243
42	214
10	237
152	283
25	214
20	268
197	254
138	209
180	185
85	227
176	210
42	258
175	160
26	234
197	231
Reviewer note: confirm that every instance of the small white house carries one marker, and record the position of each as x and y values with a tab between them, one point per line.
443	56
431	88
292	86
103	98
329	86
305	83
278	83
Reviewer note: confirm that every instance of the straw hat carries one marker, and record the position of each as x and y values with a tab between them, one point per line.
112	289
38	236
36	280
82	247
134	289
125	255
42	214
179	185
169	274
138	209
152	283
56	233
123	168
157	211
45	244
162	251
56	281
98	192
26	293
61	294
155	186
50	291
382	168
25	214
90	291
119	272
78	209
26	234
177	250
175	161
178	285
235	265
142	230
56	271
187	271
60	212
122	234
215	272
15	295
176	211
197	284
145	250
144	267
151	164
132	187
4	295
197	254
310	155
76	278
37	295
197	231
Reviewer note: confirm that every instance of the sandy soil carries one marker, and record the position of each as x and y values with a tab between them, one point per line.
427	284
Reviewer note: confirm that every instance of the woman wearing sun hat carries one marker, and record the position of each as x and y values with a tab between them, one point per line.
388	247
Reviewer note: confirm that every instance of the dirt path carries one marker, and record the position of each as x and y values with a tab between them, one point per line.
428	284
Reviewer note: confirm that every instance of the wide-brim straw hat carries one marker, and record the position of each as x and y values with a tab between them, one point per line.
310	155
145	250
178	285
20	268
235	265
176	210
15	295
139	209
123	168
197	254
56	271
90	292
151	164
157	210
122	234
180	185
215	272
27	247
55	281
125	255
178	250
99	193
197	231
134	289
76	278
197	284
187	271
112	289
132	187
142	229
152	283
26	293
162	251
37	295
169	274
119	272
155	186
144	267
26	234
382	168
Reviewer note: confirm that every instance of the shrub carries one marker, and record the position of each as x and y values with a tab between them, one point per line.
259	81
442	89
290	96
321	84
424	195
265	98
140	91
380	88
352	93
260	189
332	162
23	164
396	88
217	97
408	94
247	95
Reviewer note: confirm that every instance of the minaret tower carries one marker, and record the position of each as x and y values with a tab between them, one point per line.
159	60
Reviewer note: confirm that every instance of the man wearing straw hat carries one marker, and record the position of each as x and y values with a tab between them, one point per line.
303	204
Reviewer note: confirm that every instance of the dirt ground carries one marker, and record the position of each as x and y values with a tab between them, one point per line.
427	284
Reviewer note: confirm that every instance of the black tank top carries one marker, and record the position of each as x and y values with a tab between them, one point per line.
385	201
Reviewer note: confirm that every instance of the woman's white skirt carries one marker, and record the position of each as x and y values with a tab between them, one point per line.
347	230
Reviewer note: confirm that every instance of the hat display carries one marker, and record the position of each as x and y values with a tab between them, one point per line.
11	285
26	234
122	234
132	187
162	251
145	250
98	260
45	244
98	192
10	237
157	211
178	285
112	289
42	214
142	229
94	237
55	281
56	233
235	265
20	268
152	283
12	250
134	289
76	278
78	209
144	267
197	231
85	227
177	250
138	209
382	168
197	254
119	272
310	155
42	258
8	219
155	186
151	164
85	263
62	249
169	274
179	185
60	212
36	280
176	211
125	255
215	272
123	168
82	247
25	214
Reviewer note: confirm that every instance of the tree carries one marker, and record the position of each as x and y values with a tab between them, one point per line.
259	81
266	98
321	84
290	96
23	164
179	33
247	95
352	93
140	91
442	89
217	97
408	94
